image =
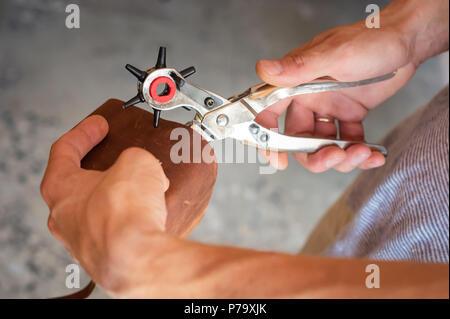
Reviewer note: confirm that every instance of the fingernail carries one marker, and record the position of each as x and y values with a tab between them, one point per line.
271	67
356	160
331	162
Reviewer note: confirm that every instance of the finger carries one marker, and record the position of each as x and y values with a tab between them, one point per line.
325	130
67	152
293	69
322	160
269	119
342	107
376	159
70	148
299	120
351	131
138	174
356	155
273	112
279	160
336	105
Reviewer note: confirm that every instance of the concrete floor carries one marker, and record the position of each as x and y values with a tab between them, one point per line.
51	77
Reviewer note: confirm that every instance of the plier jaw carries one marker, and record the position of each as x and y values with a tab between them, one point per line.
217	118
164	89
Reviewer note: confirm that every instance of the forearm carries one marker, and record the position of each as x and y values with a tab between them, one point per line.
181	269
424	25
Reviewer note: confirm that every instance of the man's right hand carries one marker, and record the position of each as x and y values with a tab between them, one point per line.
349	53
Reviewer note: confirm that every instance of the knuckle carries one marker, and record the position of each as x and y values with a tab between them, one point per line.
45	190
297	60
141	157
344	169
51	224
348	49
317	169
315	166
135	153
56	146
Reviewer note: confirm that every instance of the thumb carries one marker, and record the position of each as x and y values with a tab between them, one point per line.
139	166
293	69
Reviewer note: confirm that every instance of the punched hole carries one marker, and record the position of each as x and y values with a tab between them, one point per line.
162	89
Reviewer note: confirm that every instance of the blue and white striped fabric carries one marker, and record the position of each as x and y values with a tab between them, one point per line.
402	209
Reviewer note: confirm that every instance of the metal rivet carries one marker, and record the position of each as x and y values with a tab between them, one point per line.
209	102
222	120
264	137
254	129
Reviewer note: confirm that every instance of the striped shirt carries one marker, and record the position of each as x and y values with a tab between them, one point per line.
401	210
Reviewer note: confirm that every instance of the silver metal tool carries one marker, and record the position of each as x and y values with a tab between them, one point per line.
217	118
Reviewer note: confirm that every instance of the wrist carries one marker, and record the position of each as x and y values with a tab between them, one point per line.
421	25
126	269
118	244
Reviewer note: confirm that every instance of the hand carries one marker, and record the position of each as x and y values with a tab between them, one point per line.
99	216
347	53
112	223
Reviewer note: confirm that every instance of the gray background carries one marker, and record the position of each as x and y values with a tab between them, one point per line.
51	77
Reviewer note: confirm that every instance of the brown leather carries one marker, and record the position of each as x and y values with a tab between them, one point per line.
80	294
191	184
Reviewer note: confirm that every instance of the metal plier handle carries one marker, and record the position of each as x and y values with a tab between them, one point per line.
217	118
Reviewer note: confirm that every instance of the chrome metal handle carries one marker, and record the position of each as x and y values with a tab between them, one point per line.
259	136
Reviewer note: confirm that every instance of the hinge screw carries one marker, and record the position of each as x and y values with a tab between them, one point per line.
209	102
222	120
264	137
254	129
